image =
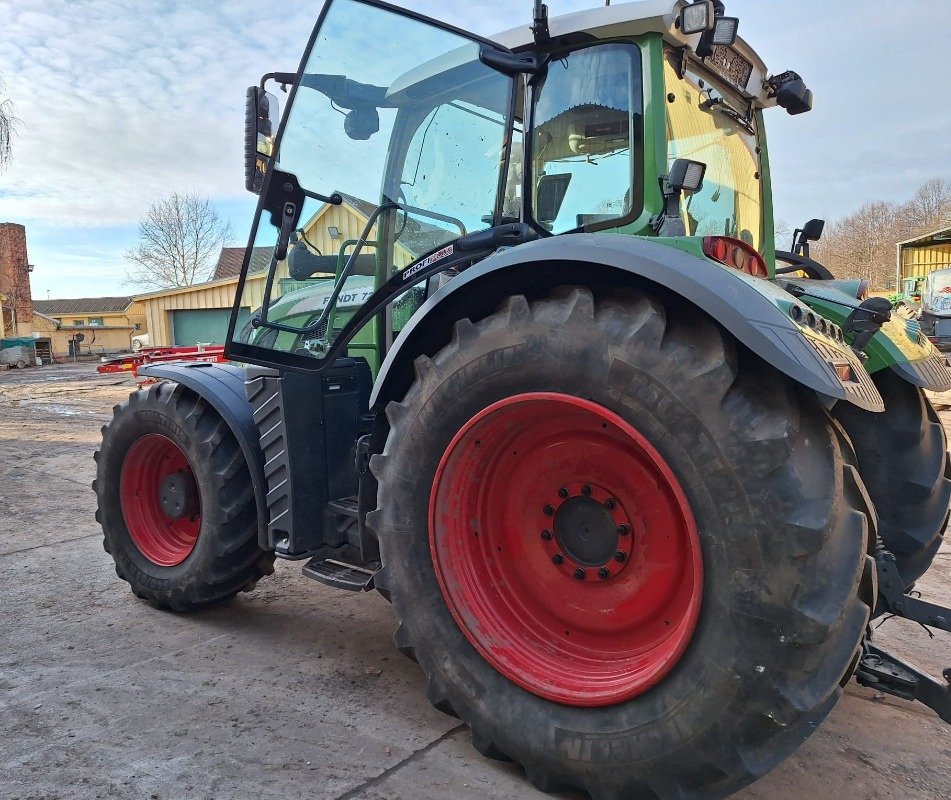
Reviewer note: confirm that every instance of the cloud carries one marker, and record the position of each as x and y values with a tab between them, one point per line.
124	102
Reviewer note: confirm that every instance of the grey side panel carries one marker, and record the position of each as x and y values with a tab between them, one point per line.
222	385
928	373
733	299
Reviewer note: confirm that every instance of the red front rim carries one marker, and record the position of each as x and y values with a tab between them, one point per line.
165	534
566	549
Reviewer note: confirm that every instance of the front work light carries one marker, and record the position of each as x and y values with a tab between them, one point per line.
724	30
697	17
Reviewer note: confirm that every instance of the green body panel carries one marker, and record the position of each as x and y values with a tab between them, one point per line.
769	226
899	340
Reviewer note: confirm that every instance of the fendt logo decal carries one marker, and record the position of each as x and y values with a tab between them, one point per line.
440	254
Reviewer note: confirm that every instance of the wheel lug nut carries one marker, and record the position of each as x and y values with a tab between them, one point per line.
586	490
563	492
580	574
557	558
548	511
546	535
620	556
609	504
623	530
604	573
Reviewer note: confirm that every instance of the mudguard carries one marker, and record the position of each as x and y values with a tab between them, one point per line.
753	310
222	386
900	344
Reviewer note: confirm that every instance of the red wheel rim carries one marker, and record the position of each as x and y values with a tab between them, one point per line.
163	531
526	500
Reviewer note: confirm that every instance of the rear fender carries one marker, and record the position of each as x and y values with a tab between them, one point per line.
222	386
752	310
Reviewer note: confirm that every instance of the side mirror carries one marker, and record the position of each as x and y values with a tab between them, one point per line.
812	230
361	123
550	196
262	116
794	97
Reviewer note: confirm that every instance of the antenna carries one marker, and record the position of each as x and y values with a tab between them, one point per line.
540	25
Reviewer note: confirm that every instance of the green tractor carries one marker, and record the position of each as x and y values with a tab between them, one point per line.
909	295
634	493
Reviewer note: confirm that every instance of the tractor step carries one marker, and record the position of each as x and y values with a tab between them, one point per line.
879	669
339	575
345	507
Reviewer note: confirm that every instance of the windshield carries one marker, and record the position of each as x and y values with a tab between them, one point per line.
708	122
402	120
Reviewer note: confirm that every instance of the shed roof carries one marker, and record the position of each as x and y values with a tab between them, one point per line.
231	258
940	236
83	305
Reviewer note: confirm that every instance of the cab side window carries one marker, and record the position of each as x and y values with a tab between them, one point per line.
587	111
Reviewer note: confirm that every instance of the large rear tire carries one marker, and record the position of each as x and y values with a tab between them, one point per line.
175	501
742	509
903	459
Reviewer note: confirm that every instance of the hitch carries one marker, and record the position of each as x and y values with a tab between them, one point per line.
881	670
892	598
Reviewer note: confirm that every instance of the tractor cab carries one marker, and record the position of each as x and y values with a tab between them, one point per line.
444	148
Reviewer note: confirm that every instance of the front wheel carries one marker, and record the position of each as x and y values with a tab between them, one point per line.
629	557
175	501
903	458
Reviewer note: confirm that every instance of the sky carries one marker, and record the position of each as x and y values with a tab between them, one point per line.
123	102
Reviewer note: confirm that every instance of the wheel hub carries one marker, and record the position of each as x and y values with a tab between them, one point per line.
178	495
588	532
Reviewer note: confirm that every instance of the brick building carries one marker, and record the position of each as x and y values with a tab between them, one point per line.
16	307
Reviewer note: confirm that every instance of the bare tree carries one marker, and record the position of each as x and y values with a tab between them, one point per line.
930	208
8	126
862	245
179	238
782	232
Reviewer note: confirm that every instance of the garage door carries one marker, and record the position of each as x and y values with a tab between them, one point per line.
205	325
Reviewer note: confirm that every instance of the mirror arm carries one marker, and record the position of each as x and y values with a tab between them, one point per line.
284	78
335	199
669	221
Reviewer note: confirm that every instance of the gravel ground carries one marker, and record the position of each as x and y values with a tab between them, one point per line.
294	690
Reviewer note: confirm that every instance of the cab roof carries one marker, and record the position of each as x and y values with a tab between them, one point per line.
635	19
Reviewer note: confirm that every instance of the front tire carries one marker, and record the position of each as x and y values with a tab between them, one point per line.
771	537
904	462
175	501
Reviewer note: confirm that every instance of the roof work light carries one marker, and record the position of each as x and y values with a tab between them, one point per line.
696	17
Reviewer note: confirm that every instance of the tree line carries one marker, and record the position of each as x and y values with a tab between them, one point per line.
862	244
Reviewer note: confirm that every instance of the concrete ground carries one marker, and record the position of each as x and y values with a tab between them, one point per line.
294	690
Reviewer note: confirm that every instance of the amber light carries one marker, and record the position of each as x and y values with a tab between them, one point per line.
735	253
844	371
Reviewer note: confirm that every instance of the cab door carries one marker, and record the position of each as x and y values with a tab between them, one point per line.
393	147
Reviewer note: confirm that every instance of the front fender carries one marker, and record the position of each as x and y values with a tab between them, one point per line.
222	386
900	344
751	309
